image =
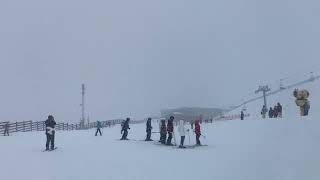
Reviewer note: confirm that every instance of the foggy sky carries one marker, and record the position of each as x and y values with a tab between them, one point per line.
137	57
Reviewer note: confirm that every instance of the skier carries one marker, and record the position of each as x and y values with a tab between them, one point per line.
149	129
242	115
279	107
6	129
275	111
163	132
99	126
182	132
50	132
264	111
170	130
270	112
198	132
124	130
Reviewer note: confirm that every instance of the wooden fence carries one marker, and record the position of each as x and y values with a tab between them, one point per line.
28	126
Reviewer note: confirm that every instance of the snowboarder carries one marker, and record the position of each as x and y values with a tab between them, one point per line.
99	126
163	132
170	130
264	111
198	132
242	115
182	132
149	129
6	129
50	132
270	112
124	130
279	108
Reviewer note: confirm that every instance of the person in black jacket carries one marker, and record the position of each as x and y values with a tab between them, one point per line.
163	132
271	112
242	115
50	132
148	130
124	130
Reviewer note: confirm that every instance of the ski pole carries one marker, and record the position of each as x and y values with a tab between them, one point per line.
189	137
174	137
155	132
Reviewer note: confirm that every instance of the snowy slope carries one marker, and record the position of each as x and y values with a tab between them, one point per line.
254	149
287	100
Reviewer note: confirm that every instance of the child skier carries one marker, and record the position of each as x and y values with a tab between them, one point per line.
163	132
124	130
50	132
170	130
198	132
182	132
148	130
99	126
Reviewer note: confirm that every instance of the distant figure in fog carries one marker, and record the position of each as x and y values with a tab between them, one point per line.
6	129
270	112
242	115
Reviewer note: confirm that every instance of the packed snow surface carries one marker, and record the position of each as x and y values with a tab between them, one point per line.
253	149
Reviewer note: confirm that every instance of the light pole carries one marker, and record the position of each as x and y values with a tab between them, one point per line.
82	107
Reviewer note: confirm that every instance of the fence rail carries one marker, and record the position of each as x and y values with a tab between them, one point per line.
28	126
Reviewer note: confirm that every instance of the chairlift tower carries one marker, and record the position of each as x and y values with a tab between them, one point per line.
264	90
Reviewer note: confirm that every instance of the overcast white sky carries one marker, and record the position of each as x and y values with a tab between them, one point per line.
140	56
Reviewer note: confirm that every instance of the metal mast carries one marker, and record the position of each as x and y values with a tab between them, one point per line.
82	106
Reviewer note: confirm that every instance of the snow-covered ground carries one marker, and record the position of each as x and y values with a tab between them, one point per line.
253	149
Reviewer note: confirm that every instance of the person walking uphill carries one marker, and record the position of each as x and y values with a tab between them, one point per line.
198	132
170	130
124	130
182	132
99	126
50	132
148	130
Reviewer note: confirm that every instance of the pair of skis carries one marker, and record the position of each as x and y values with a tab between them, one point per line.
50	150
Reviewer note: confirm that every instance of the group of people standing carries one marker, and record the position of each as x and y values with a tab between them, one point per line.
275	112
166	131
169	130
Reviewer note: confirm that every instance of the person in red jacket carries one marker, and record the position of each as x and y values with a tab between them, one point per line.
197	130
170	130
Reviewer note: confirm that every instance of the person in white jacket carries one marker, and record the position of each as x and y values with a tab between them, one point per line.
182	132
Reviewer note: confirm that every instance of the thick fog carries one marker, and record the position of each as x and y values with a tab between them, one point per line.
138	57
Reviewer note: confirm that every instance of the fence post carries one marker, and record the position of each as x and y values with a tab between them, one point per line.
16	126
31	125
